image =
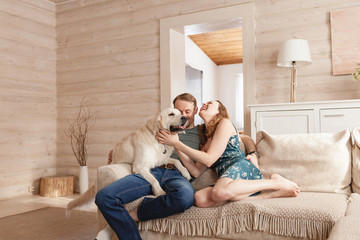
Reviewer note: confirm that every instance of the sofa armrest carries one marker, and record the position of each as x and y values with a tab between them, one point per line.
110	173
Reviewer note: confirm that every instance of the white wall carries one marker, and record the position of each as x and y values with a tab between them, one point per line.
196	58
226	86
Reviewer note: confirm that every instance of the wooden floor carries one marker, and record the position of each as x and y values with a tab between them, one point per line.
24	204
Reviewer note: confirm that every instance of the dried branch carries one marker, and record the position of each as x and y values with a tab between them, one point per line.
78	133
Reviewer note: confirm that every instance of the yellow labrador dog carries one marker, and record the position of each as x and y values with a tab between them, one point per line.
143	152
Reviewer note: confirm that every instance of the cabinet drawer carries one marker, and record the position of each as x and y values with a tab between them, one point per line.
334	120
285	122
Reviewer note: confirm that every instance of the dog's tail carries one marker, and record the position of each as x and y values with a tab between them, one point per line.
82	200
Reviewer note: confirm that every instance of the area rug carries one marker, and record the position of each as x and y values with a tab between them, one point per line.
49	223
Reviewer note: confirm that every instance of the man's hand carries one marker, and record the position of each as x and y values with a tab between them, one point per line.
166	137
110	157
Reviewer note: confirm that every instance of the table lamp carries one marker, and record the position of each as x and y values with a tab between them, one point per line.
292	54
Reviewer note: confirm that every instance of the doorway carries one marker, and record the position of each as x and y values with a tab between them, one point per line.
172	56
193	85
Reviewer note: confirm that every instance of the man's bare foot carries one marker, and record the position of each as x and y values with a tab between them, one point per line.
287	188
133	214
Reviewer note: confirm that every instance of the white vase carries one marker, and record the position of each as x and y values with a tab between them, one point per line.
83	179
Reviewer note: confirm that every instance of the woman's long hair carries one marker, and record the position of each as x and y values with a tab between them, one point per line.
208	132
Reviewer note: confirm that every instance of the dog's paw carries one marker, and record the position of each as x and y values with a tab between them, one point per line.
158	191
186	175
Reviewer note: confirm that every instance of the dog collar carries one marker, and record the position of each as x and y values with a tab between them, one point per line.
165	151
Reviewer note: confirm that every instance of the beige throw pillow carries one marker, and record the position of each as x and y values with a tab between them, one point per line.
356	161
318	162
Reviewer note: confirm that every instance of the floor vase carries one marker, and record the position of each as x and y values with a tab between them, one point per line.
83	179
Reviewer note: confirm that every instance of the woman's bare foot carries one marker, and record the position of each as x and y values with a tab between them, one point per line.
133	214
287	188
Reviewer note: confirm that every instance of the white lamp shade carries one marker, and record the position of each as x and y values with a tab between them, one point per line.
294	50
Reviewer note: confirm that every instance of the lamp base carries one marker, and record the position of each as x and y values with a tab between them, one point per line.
293	83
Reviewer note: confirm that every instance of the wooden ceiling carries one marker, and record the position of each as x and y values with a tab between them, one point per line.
222	47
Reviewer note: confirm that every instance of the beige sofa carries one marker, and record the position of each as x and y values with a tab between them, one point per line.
326	166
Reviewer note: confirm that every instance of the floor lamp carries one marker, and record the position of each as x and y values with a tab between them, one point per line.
292	54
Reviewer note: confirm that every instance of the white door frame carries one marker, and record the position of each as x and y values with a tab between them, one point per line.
172	73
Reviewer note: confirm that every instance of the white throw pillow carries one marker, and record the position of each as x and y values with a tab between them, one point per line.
356	161
318	162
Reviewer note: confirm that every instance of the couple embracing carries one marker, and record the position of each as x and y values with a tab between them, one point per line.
214	144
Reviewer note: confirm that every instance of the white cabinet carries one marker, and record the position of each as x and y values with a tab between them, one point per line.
310	117
281	122
334	120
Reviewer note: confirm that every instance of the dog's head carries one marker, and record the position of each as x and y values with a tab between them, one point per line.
171	119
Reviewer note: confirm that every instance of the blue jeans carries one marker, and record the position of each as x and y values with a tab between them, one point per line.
111	199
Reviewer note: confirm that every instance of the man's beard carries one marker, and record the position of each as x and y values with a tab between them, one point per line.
189	123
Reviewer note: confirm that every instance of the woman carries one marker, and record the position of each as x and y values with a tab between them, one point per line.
239	178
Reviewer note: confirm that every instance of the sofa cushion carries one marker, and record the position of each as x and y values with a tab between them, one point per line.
319	162
354	205
355	183
310	215
347	227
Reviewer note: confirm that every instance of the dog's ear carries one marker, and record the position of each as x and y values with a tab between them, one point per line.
158	121
159	118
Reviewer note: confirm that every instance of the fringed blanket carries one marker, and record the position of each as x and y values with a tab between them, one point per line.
310	215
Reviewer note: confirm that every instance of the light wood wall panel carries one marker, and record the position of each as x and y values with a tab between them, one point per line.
280	20
27	95
108	52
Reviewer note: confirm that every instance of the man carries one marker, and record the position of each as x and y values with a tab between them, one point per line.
179	191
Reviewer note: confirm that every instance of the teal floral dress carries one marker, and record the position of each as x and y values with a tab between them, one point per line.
233	164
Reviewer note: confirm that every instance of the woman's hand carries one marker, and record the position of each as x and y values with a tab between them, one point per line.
166	137
253	159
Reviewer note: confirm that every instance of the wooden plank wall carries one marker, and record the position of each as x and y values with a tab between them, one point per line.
108	52
27	95
310	19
